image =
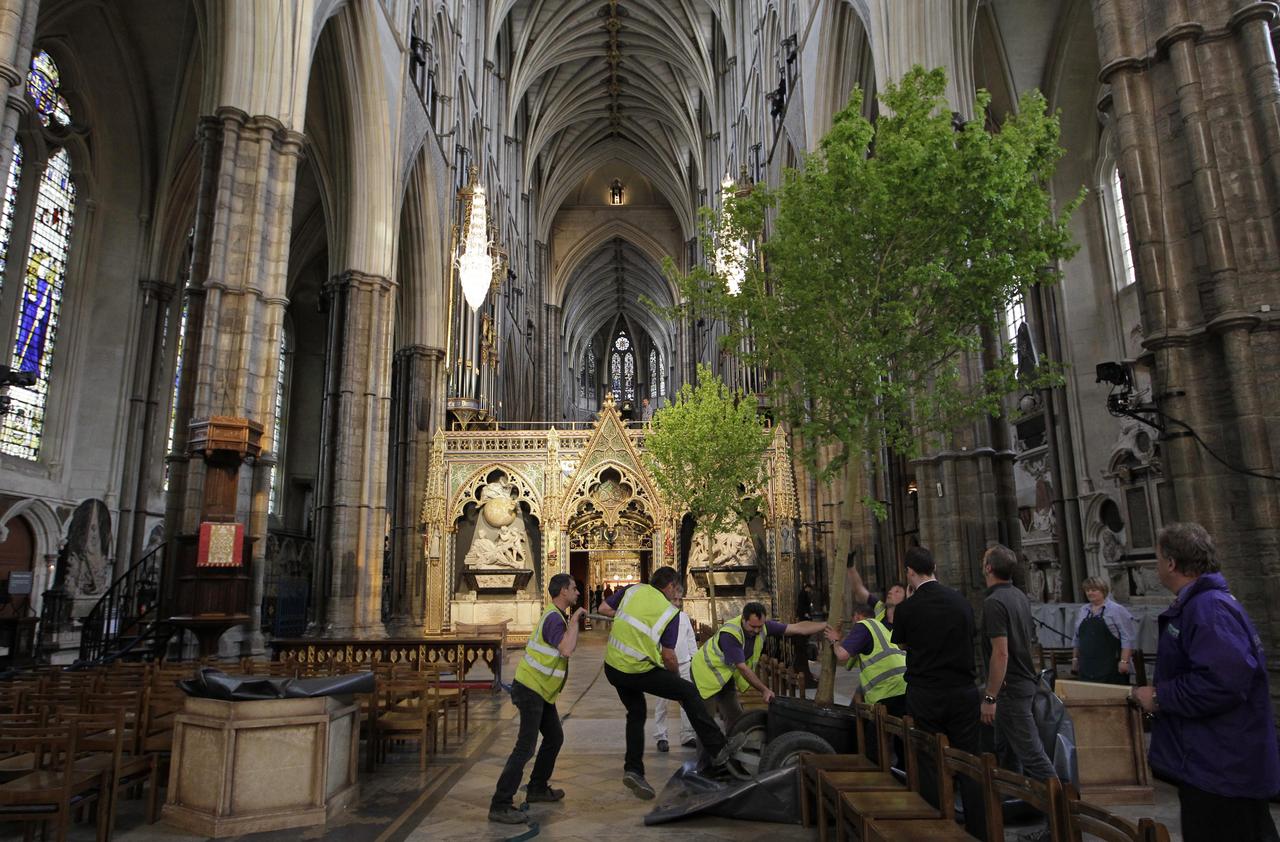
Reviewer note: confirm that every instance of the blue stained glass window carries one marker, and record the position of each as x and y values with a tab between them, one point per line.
42	86
10	207
38	309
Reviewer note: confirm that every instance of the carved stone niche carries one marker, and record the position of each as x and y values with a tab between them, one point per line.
499	580
729	580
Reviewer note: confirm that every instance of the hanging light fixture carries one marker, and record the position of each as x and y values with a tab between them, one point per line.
475	263
731	252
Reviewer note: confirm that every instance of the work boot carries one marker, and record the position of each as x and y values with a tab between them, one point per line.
543	793
690	743
635	782
507	814
731	747
664	746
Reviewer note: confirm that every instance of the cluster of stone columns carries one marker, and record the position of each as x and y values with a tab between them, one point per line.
1196	104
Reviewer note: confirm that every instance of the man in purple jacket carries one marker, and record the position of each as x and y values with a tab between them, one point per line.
1214	733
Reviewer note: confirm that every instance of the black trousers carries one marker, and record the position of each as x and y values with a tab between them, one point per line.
537	716
1207	817
664	684
953	712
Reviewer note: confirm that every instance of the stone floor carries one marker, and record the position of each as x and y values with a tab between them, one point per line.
450	800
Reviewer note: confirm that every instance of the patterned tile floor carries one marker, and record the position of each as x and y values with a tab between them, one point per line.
450	800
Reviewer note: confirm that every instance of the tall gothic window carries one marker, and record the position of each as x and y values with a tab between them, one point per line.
277	439
653	373
46	236
622	367
177	384
589	371
1126	275
1014	317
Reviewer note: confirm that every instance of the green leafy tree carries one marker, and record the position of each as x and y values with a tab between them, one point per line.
882	264
706	454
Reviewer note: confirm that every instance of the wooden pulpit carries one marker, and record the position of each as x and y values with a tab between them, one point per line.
208	580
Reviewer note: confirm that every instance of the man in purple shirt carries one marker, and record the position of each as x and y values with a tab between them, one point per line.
753	624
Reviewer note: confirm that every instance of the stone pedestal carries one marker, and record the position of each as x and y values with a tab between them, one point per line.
248	767
522	611
497	581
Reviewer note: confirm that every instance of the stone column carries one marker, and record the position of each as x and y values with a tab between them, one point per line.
356	421
417	411
149	393
236	306
552	351
1196	101
17	32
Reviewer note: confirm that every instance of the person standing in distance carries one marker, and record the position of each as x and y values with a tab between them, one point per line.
686	648
540	676
1105	636
1007	637
1214	734
935	627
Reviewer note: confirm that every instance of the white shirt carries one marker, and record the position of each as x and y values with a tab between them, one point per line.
686	643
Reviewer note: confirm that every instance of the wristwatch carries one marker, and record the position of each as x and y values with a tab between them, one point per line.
988	699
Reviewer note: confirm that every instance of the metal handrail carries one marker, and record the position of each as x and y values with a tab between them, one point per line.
128	605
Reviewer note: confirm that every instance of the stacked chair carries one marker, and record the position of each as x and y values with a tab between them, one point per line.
860	797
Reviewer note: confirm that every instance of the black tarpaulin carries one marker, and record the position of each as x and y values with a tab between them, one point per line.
771	797
210	683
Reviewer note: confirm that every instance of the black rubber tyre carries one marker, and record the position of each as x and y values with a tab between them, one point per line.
755	724
785	750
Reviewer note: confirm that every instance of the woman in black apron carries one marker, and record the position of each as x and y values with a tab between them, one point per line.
1100	655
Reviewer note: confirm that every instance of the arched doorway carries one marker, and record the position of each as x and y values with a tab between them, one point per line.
610	532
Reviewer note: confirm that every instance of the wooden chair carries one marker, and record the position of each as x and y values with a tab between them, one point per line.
945	829
1081	817
866	727
859	808
832	783
54	788
107	746
1046	797
456	698
15	764
407	710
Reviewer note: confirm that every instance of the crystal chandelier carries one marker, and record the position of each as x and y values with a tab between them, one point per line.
475	264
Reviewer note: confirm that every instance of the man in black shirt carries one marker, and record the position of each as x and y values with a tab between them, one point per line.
1008	635
935	627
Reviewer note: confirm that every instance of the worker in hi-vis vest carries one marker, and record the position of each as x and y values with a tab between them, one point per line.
641	658
726	663
540	676
882	667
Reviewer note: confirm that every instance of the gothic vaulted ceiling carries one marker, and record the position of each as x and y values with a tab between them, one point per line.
608	79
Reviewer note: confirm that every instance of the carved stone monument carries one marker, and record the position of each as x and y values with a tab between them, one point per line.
499	559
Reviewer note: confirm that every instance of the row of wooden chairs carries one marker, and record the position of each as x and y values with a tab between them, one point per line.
865	797
781	678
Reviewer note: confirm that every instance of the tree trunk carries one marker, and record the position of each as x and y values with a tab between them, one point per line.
711	586
836	578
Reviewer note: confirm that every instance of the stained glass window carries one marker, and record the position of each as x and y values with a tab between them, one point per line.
38	308
273	499
42	86
622	366
653	373
10	207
